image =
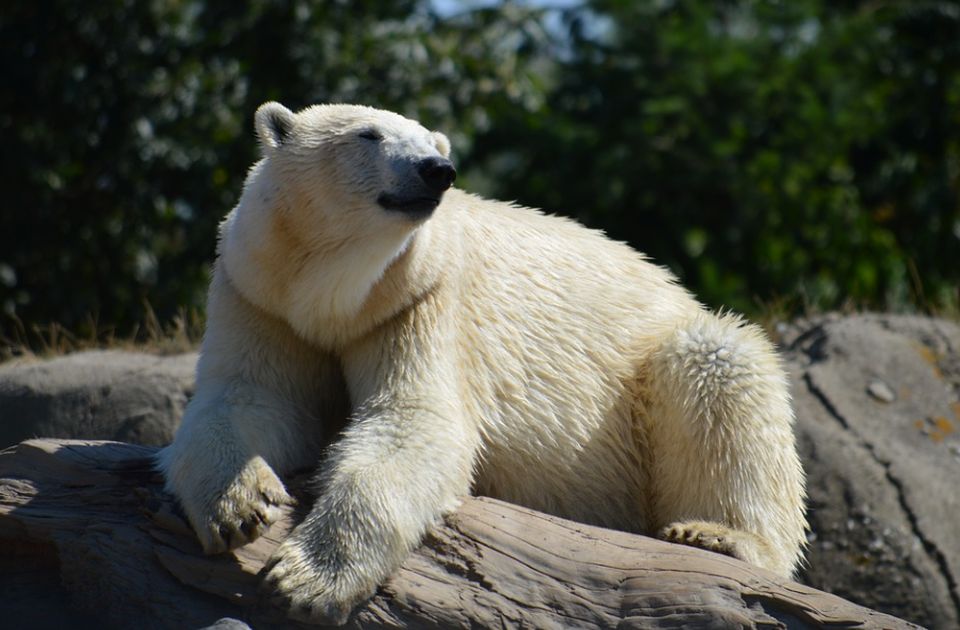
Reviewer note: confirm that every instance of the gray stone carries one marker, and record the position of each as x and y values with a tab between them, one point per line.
228	623
104	395
878	426
883	481
881	391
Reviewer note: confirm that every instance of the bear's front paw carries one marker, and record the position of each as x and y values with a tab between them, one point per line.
298	581
242	512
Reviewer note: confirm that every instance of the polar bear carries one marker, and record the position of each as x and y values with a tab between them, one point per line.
447	344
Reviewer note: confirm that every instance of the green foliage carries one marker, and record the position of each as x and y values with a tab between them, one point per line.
128	127
802	151
806	150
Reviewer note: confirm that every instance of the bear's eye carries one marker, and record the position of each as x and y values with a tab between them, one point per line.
371	134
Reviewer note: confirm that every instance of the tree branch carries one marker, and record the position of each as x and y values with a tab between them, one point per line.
95	513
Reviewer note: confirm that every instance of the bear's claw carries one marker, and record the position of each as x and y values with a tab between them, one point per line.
705	535
295	580
243	511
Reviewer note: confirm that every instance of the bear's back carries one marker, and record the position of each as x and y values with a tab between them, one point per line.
554	320
539	259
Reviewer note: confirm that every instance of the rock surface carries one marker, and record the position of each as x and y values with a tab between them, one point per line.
878	407
106	395
125	557
878	424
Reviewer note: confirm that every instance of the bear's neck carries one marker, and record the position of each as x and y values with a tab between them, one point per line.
334	291
328	296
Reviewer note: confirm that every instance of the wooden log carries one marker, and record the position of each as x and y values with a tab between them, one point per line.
95	514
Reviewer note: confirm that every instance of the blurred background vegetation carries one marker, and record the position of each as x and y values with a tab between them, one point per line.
801	153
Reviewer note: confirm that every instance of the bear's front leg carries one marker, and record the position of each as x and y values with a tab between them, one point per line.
262	396
226	488
393	476
403	462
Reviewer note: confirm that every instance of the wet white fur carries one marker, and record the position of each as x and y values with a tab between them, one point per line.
490	348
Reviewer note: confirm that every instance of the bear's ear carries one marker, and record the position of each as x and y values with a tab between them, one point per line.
274	124
441	142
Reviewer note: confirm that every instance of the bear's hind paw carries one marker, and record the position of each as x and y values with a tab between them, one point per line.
737	543
718	538
709	536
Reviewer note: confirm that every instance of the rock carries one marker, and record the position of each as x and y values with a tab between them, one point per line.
878	424
228	623
116	547
881	391
878	428
109	395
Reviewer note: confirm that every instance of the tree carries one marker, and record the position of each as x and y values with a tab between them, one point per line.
804	149
808	150
129	126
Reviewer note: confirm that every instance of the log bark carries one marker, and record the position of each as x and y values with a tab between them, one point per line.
91	519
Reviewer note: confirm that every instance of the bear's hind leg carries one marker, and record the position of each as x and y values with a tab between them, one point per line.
725	471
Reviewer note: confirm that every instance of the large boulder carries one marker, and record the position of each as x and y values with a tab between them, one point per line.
878	424
104	395
878	407
92	518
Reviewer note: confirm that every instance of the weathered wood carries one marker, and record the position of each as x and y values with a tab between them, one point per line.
95	513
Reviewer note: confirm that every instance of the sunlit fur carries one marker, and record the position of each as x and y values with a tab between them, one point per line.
488	348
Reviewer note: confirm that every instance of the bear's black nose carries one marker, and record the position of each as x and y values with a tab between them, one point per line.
437	173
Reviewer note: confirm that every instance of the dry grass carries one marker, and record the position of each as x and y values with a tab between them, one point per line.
769	313
184	332
181	334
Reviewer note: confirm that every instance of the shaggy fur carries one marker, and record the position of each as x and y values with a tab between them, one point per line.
487	348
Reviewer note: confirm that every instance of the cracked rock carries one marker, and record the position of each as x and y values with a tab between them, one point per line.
878	428
867	442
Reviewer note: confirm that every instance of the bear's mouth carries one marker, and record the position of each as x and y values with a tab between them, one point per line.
414	207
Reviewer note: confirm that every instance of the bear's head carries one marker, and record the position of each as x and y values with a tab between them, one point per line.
352	158
341	192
